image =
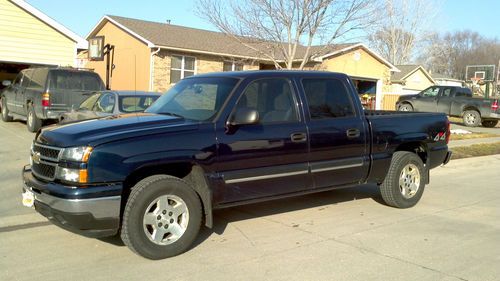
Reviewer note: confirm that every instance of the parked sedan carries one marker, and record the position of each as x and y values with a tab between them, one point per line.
106	103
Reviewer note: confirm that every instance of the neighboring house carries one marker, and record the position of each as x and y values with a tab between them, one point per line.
153	56
28	37
444	80
411	80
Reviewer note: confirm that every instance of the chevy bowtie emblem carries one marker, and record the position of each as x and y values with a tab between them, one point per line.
36	157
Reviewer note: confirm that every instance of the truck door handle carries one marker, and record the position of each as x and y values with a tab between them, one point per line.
352	133
298	137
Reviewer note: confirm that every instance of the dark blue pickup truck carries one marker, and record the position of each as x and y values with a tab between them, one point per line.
220	140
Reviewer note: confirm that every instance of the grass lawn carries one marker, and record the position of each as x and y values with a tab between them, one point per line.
475	150
472	136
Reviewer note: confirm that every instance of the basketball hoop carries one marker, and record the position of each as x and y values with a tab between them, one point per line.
96	48
476	81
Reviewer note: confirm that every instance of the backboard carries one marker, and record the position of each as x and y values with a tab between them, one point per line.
96	46
486	73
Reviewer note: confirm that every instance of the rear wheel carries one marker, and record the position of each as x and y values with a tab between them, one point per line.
404	184
489	123
5	111
405	107
471	118
32	122
162	217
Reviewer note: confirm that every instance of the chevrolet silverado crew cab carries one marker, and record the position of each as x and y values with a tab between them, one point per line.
454	101
42	94
224	139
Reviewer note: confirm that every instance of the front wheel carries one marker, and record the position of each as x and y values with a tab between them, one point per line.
405	107
5	111
489	123
471	118
162	217
404	184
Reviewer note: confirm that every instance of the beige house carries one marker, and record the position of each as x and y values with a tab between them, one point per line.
153	56
411	80
29	37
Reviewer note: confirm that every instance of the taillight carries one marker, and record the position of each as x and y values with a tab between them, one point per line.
494	106
448	131
46	99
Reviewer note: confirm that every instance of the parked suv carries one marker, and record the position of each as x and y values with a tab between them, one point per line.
40	94
454	101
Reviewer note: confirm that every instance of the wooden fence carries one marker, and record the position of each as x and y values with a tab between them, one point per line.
389	101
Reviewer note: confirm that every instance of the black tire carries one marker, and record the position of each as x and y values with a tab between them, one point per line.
489	123
391	189
145	193
5	111
405	107
471	118
32	122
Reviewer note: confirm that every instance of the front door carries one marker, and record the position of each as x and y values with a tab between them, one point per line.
426	101
338	141
268	158
20	92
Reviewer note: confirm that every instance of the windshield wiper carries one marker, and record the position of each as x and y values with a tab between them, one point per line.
171	114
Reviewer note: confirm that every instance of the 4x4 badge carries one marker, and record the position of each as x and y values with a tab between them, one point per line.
440	136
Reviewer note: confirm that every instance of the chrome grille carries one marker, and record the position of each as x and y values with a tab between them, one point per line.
44	161
44	170
47	152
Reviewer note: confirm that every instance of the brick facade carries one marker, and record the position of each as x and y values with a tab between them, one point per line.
204	64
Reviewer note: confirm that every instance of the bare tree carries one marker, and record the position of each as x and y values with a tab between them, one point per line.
403	26
450	53
283	31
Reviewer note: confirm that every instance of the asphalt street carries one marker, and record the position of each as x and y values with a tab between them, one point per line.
349	234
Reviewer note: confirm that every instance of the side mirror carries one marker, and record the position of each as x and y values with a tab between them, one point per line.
243	116
6	83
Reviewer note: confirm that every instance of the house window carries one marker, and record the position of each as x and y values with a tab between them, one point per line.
181	67
232	66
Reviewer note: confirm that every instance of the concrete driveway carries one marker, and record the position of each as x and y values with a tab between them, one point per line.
452	234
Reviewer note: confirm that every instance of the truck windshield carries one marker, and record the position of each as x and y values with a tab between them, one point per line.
195	98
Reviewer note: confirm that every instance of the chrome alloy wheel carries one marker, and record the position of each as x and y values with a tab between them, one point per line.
30	118
165	219
470	118
409	181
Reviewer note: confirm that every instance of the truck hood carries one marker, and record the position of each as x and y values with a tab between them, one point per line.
112	128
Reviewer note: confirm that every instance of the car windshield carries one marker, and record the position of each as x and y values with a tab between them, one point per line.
89	102
195	98
131	104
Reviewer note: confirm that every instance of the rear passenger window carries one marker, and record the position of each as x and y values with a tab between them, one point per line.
447	92
272	98
327	98
38	78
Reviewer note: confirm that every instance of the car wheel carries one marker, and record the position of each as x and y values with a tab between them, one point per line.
5	111
32	122
471	118
162	217
489	123
405	107
405	182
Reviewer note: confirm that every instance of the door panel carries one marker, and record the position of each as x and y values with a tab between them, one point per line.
268	158
445	100
427	100
337	135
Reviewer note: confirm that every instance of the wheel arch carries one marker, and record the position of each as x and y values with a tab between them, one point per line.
470	107
420	149
193	174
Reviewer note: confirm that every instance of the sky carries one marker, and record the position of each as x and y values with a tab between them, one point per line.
81	16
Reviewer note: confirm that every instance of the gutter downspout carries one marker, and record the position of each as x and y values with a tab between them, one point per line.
151	67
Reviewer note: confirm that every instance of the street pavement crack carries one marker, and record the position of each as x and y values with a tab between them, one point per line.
24	226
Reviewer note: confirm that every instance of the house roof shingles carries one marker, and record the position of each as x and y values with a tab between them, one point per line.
405	70
181	37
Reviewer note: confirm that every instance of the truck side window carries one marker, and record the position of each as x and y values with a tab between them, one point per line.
272	98
39	78
447	92
327	98
431	92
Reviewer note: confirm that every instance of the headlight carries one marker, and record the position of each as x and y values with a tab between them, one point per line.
75	154
80	154
72	175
